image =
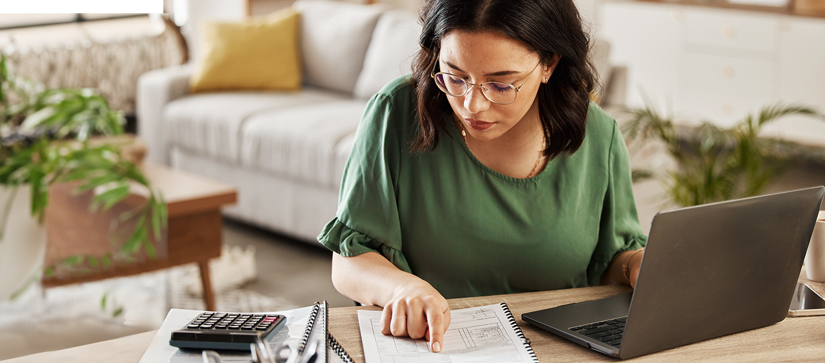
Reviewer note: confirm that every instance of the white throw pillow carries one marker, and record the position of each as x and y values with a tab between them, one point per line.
334	40
390	54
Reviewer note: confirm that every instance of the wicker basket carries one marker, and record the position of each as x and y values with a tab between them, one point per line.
809	6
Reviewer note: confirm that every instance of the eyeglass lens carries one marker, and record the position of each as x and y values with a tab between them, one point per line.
494	91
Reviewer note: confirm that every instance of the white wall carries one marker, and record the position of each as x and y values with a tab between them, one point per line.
586	7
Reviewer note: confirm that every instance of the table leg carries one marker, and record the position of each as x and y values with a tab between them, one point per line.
208	295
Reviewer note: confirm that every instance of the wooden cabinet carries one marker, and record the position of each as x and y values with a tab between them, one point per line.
642	38
720	64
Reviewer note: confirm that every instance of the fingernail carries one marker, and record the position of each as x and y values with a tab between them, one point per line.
436	347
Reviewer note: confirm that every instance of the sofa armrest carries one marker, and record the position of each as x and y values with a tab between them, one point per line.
615	90
155	89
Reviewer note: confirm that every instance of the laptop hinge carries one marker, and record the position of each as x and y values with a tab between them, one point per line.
604	350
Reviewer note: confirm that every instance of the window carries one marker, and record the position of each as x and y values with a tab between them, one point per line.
11	21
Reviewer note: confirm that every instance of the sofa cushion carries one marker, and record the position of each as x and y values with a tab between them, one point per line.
390	54
305	143
260	53
334	40
210	123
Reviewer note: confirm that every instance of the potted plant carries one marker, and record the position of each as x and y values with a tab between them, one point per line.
714	163
48	138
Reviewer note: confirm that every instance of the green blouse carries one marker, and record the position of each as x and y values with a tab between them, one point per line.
469	230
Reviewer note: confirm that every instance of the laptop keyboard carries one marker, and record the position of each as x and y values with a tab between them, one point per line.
609	331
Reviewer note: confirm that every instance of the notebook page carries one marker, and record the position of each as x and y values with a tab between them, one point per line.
480	334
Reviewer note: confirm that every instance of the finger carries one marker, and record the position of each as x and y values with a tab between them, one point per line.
438	321
416	320
386	318
634	275
398	324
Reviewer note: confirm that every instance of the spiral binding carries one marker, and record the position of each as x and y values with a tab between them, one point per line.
519	333
338	349
308	329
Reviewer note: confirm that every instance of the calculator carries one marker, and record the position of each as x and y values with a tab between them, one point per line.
235	331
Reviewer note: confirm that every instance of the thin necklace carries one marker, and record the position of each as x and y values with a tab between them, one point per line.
538	161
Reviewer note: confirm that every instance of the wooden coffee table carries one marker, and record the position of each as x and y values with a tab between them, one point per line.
194	231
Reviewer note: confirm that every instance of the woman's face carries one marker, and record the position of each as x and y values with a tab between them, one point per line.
488	56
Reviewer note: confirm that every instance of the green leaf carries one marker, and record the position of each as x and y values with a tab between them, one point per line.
149	248
111	196
73	261
37	118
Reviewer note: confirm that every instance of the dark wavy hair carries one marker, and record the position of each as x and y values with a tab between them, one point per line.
547	27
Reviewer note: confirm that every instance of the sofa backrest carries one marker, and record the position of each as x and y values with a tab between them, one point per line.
334	40
390	53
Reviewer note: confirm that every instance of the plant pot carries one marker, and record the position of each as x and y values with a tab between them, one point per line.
74	230
23	243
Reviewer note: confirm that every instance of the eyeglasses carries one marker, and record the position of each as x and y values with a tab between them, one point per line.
501	93
262	354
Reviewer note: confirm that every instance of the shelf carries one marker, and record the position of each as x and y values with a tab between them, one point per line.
724	4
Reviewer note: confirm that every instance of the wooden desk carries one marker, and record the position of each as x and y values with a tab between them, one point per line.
193	234
793	339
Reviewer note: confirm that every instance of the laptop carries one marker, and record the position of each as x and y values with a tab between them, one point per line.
707	271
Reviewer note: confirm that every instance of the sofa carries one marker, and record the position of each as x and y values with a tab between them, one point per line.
285	151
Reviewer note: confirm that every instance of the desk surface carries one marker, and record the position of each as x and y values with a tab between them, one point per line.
793	339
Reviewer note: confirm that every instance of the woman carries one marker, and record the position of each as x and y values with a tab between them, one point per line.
487	171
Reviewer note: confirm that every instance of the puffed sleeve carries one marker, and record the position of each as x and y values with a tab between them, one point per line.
619	228
367	219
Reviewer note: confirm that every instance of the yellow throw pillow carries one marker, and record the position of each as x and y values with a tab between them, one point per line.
255	54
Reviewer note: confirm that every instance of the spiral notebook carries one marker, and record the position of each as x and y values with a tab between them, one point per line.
485	333
316	329
303	325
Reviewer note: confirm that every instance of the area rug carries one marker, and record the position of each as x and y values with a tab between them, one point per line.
142	300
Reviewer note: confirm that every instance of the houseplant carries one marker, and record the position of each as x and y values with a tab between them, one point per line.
714	163
47	139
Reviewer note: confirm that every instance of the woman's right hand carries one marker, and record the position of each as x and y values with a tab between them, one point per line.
418	311
412	307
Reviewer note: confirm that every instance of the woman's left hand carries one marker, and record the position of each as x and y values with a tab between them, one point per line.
624	270
634	263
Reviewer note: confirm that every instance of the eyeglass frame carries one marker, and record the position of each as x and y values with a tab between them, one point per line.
433	74
261	353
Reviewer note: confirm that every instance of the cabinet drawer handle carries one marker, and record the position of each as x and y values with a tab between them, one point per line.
728	32
726	108
676	15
